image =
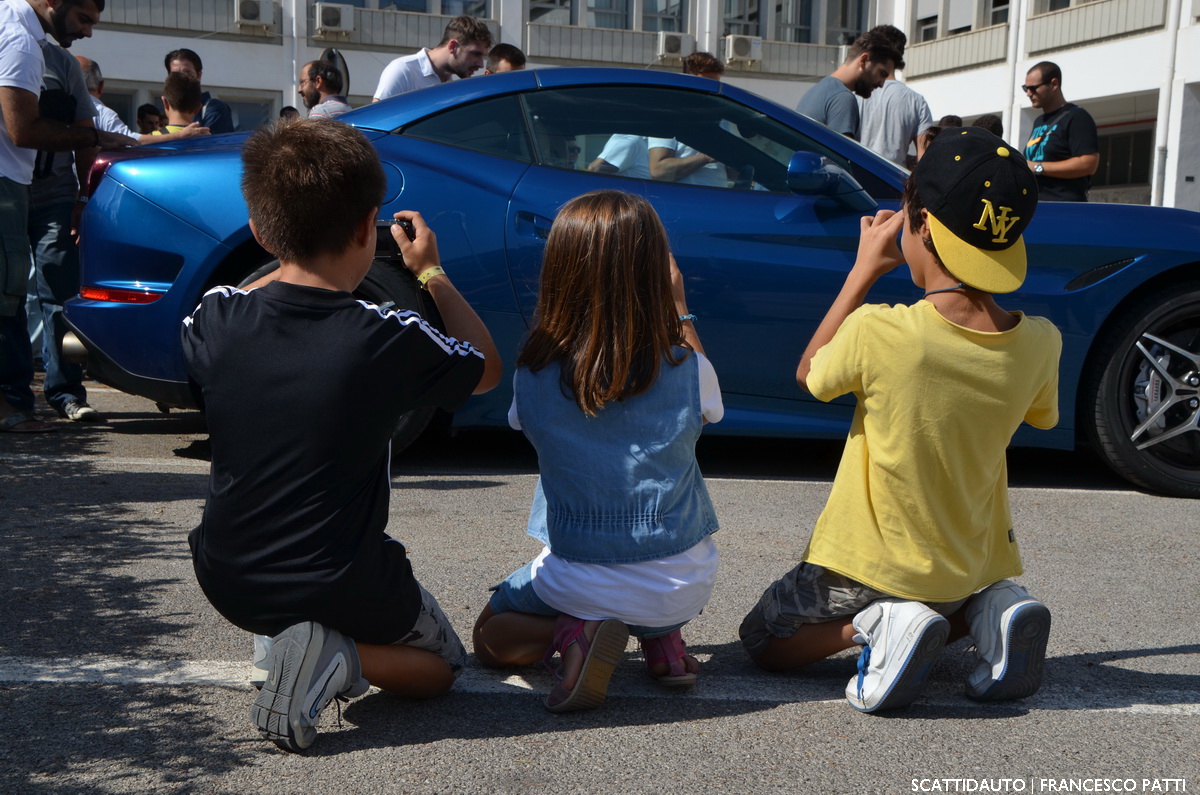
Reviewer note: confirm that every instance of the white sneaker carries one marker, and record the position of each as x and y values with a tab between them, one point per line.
1010	629
310	665
901	640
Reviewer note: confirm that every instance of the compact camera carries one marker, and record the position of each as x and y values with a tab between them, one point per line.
386	246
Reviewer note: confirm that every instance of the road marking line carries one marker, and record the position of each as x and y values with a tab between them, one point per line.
478	681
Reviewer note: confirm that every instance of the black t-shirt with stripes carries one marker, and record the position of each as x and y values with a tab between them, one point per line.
302	388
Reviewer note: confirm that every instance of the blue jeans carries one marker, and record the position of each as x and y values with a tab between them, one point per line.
16	356
56	259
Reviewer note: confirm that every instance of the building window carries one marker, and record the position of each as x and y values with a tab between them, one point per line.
844	20
551	12
1125	158
927	29
794	21
997	12
741	17
664	15
608	14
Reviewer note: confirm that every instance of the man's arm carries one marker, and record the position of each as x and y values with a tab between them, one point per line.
669	167
27	128
1071	168
877	254
421	254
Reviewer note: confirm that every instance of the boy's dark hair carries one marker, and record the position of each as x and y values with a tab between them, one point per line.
892	34
328	73
911	205
879	48
702	63
183	92
183	55
992	123
1048	70
950	120
308	185
505	52
467	30
147	109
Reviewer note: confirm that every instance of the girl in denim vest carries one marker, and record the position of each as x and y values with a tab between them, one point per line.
612	388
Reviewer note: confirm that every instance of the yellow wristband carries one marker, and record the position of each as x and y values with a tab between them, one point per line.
428	274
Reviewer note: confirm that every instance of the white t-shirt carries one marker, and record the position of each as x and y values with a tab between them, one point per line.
407	74
713	174
22	66
628	155
652	593
108	120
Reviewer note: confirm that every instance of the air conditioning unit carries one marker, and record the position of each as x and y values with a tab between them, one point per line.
673	45
254	13
743	49
334	19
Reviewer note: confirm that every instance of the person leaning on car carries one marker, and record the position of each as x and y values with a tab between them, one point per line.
23	131
460	53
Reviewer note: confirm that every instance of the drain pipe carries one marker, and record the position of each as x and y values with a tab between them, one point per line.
1162	125
1016	45
294	9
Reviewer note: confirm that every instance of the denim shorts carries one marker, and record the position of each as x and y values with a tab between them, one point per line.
516	595
810	594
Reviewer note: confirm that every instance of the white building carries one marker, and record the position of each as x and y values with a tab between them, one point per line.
1127	61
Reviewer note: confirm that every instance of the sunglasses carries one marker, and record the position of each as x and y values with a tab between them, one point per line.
1031	89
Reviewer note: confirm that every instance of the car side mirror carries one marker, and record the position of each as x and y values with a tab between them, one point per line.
810	174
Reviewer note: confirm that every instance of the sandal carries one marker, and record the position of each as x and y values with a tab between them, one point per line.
681	666
20	422
600	658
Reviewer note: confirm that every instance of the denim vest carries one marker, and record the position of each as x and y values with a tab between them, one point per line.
623	486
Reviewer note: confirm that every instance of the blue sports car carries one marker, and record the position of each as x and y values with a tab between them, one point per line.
764	235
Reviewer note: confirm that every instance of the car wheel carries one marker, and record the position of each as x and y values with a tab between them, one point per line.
1145	398
390	286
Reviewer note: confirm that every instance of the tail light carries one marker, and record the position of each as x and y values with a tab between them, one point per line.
119	295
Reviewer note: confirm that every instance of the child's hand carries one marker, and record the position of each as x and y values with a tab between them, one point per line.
878	251
420	253
677	289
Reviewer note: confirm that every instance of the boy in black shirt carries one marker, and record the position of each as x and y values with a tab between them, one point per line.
302	385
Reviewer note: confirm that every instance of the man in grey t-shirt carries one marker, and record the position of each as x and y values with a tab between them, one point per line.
892	119
871	59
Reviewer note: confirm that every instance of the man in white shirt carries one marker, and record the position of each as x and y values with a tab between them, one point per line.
464	45
672	161
23	132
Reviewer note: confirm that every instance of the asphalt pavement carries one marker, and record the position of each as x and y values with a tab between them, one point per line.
117	676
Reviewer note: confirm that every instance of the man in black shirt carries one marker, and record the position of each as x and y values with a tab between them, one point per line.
292	544
1063	149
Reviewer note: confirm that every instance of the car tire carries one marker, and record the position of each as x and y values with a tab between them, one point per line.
1144	397
391	286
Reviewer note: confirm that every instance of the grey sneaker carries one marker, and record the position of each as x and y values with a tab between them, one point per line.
78	411
310	665
1010	629
901	640
260	668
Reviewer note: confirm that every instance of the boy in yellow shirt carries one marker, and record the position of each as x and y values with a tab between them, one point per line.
917	527
181	101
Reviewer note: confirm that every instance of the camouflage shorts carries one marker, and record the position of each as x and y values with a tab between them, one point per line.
809	594
433	632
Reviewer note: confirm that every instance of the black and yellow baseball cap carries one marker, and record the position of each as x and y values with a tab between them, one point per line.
980	195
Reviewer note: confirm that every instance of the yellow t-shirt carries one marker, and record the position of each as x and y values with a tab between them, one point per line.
171	128
919	506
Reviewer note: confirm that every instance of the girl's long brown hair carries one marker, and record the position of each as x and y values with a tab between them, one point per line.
605	310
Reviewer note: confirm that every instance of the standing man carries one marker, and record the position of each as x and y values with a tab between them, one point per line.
504	58
895	115
23	131
214	114
1063	149
321	90
149	118
460	53
871	59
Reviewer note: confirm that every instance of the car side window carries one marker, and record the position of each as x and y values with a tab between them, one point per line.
492	127
665	134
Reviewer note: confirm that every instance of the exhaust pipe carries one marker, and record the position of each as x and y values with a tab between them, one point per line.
73	350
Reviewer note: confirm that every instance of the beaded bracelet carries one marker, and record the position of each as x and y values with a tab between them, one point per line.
687	317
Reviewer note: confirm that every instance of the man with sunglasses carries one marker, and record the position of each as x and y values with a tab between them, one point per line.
1063	149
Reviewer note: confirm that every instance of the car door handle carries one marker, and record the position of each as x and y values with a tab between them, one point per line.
533	225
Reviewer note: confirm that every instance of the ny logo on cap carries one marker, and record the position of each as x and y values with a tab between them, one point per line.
1001	223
